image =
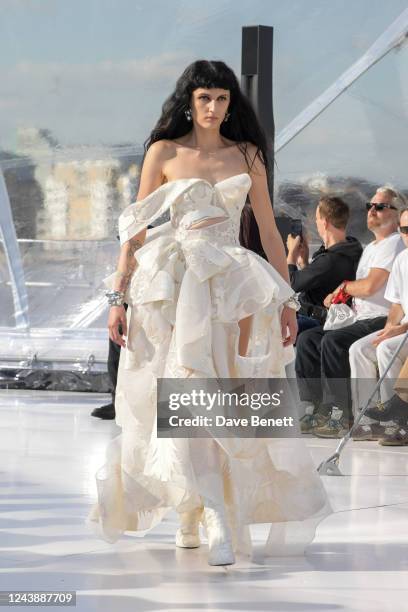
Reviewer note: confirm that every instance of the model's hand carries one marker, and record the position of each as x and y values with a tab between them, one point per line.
117	324
289	326
389	331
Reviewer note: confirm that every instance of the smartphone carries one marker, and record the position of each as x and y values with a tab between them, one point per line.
296	227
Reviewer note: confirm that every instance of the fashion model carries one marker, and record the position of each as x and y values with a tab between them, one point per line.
203	306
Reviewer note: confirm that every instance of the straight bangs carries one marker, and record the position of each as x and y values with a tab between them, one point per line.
210	75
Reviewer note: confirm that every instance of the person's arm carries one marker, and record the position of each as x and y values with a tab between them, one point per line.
393	326
313	275
365	287
361	288
271	239
385	254
150	179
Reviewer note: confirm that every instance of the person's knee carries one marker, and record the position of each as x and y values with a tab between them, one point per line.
359	349
333	350
307	352
330	342
355	353
300	342
306	340
385	351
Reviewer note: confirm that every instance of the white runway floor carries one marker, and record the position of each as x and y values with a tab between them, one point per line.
50	448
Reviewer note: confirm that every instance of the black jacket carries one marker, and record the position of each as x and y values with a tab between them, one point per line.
328	268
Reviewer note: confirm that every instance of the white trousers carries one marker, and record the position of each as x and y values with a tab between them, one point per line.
369	362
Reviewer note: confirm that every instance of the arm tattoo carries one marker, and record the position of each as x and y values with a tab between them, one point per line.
135	244
125	276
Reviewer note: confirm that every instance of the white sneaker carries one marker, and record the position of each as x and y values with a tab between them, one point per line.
187	535
219	537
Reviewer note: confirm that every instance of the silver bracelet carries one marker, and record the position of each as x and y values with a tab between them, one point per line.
293	302
115	298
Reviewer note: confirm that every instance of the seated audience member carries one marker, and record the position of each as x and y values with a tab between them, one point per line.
334	261
376	351
322	357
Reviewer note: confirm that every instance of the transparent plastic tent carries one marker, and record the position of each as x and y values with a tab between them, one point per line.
75	112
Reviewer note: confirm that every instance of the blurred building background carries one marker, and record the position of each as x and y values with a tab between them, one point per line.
82	84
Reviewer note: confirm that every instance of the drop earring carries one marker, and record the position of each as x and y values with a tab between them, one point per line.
227	116
187	113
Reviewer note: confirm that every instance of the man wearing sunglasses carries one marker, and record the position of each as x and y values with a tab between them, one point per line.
376	351
322	357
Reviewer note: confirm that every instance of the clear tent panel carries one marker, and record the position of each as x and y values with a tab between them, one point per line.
75	116
358	144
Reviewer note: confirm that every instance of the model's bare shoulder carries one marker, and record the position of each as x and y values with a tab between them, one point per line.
166	150
167	145
152	175
229	143
158	149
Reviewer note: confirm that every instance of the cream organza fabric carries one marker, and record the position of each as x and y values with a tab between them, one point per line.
191	287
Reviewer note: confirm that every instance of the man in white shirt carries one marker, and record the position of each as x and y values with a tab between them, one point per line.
376	351
322	357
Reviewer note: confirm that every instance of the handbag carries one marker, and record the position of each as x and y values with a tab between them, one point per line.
339	314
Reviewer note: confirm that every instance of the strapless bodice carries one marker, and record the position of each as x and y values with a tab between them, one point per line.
203	201
190	201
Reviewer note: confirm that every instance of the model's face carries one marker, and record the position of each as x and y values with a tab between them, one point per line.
209	106
381	219
404	223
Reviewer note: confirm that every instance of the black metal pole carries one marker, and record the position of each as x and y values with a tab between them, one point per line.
256	82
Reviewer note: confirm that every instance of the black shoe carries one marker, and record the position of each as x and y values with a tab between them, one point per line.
367	433
104	412
394	409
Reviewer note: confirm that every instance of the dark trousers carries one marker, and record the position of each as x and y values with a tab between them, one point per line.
322	363
113	363
305	323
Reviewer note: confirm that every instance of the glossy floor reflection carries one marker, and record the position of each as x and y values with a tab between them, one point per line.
50	448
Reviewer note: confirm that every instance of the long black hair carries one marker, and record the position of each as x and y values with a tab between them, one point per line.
242	125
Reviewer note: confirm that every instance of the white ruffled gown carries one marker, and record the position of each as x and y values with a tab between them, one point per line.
189	291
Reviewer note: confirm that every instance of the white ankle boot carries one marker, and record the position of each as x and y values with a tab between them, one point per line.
219	537
187	535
